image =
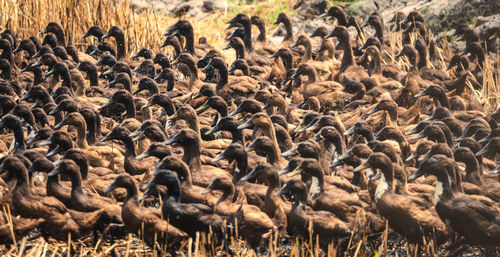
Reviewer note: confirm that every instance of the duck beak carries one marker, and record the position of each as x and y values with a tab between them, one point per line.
364	165
137	90
105	36
461	37
135	133
275	55
313	127
250	148
43	32
482	151
139	137
419	135
213	130
110	102
318	137
282	191
60	124
202	108
54	172
226	47
418	173
349	132
46	142
375	177
299	127
420	94
148	185
207	190
109	71
374	110
107	138
365	24
48	73
170	141
337	163
323	15
411	157
294	172
276	22
163	113
219	157
290	153
247	124
172	117
110	188
143	155
249	176
17	49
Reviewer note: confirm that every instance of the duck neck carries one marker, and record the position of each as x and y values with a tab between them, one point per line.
173	191
242	165
262	32
289	30
120	46
81	129
374	66
227	193
37	76
237	135
61	41
76	182
240	52
379	31
308	51
472	170
443	190
66	79
147	113
93	77
422	59
132	191
383	186
348	58
223	77
192	156
194	124
7	54
6	73
130	107
18	138
247	27
271	133
311	75
129	146
170	84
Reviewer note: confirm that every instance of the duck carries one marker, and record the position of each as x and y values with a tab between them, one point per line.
99	156
252	223
231	89
59	221
324	224
416	225
190	217
131	165
470	218
189	140
147	221
488	187
53	187
86	201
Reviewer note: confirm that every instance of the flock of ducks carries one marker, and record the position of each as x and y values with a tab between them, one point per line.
285	141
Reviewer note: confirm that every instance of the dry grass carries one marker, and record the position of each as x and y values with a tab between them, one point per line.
145	28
